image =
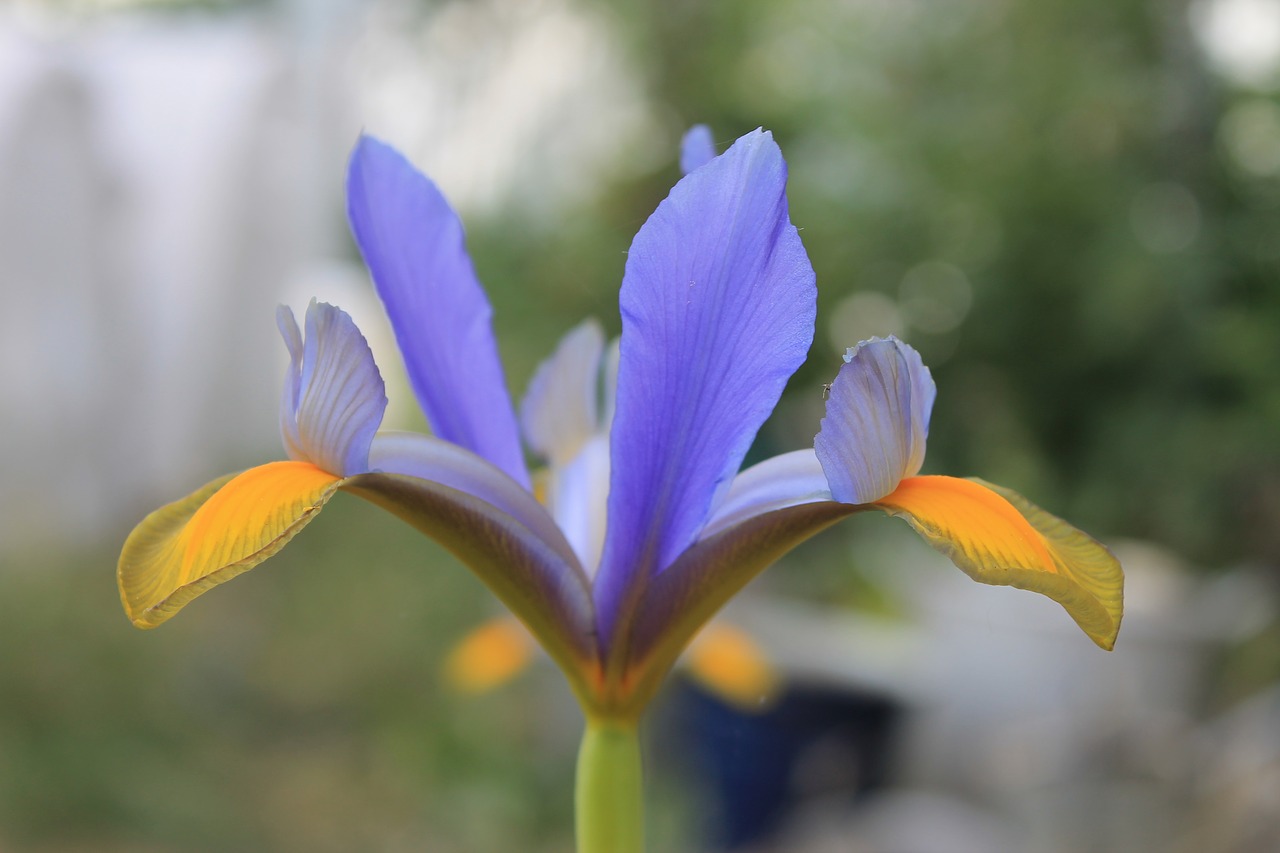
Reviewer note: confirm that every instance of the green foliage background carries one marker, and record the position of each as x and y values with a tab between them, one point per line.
1119	355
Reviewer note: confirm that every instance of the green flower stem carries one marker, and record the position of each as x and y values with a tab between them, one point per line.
609	801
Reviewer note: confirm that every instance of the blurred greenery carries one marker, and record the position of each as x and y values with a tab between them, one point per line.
304	712
1041	193
1044	196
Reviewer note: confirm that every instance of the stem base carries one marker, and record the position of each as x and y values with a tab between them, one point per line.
609	800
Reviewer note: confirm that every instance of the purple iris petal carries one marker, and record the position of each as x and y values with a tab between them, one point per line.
718	306
412	242
697	148
873	435
334	397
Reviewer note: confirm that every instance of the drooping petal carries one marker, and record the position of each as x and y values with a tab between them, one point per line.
225	528
787	480
497	529
999	537
697	148
543	587
560	411
877	420
677	603
489	656
235	523
429	458
718	304
412	242
334	397
993	534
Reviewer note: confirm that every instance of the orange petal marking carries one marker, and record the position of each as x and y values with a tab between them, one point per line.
996	536
489	656
730	664
975	519
209	537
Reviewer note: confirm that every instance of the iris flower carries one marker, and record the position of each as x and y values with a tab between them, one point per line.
648	527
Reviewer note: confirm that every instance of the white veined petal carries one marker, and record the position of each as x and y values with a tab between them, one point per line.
334	396
877	421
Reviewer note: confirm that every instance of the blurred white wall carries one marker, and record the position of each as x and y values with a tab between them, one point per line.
143	236
168	179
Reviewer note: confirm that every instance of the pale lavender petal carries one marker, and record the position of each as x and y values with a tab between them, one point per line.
877	421
718	305
288	327
697	148
334	397
429	458
577	494
787	480
560	411
610	385
412	242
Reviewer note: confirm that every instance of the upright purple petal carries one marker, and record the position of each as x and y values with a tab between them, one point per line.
718	305
334	397
412	242
697	148
873	435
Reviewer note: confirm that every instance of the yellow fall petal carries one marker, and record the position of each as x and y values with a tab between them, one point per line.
730	664
489	656
225	528
996	536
